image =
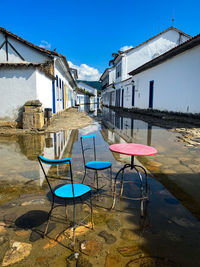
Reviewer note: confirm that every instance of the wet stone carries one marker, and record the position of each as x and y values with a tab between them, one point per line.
113	224
171	201
3	239
109	238
112	260
22	232
9	218
38	232
91	247
128	234
80	230
34	202
173	236
151	261
83	262
129	251
2	228
44	261
182	222
17	252
53	242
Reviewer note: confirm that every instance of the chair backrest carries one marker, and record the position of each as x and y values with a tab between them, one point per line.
84	148
42	160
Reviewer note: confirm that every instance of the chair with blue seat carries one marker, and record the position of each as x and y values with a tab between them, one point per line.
95	164
67	191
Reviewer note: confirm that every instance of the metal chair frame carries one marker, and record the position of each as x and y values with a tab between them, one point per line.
95	159
67	161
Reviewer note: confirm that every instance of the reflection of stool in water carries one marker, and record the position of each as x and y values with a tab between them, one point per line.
68	191
94	165
132	150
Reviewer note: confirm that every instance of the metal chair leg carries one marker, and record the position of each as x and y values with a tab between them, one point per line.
141	181
84	176
66	209
97	180
122	183
49	216
145	172
91	207
74	227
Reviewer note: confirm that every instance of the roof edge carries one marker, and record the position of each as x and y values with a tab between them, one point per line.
189	44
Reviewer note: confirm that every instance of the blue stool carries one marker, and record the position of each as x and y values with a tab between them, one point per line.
95	165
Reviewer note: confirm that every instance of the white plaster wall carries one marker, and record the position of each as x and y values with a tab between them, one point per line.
88	88
152	49
176	84
83	99
44	90
104	96
60	73
147	52
28	53
138	57
112	75
16	87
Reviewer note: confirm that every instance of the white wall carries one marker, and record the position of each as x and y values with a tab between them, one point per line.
69	91
152	49
176	84
112	74
138	56
88	88
82	99
28	53
93	99
44	90
16	87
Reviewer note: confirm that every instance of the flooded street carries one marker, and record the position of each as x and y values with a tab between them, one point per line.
167	235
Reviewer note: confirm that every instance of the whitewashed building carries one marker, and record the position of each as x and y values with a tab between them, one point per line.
88	87
30	72
118	89
171	81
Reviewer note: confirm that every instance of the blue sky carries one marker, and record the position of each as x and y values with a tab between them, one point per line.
88	32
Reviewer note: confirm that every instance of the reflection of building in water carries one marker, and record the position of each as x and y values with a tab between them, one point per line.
89	108
52	145
58	145
122	128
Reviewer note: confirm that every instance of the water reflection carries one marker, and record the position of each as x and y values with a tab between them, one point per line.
166	230
19	154
175	166
91	109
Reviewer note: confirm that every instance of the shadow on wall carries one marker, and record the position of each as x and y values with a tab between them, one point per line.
19	117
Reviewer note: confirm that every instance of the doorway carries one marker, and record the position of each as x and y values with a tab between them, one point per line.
151	86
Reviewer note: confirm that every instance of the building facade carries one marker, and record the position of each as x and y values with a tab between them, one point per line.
30	72
170	82
118	88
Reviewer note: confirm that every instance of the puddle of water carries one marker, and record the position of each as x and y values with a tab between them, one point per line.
167	231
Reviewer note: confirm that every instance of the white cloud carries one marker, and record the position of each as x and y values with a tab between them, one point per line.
86	72
45	44
126	47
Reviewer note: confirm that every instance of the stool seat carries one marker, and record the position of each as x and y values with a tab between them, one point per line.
65	191
98	165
